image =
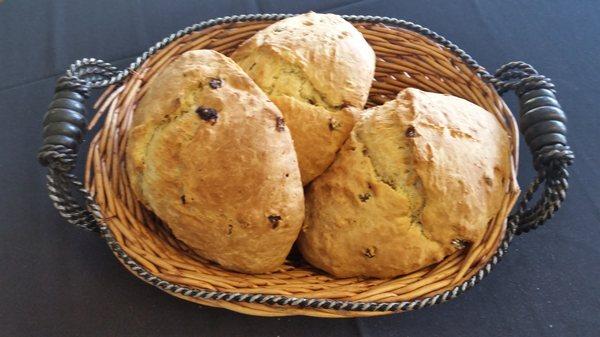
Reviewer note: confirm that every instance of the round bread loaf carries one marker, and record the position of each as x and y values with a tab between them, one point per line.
420	177
210	155
318	69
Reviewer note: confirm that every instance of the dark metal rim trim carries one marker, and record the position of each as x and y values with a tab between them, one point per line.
100	74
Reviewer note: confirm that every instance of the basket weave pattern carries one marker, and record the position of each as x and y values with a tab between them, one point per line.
404	59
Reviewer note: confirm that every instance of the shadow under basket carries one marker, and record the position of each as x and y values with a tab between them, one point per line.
408	55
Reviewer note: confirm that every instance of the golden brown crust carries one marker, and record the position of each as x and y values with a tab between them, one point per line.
227	185
416	174
318	69
319	135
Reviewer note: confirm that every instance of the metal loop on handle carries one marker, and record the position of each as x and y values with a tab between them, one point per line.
542	122
95	73
60	187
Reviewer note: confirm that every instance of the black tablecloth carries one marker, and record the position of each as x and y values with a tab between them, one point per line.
56	280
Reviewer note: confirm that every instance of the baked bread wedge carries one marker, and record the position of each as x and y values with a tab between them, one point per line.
318	69
419	178
211	156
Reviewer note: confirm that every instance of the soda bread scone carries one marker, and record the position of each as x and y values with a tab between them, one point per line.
318	69
210	155
419	177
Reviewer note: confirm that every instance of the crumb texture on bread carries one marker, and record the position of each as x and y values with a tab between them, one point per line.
419	176
210	155
317	68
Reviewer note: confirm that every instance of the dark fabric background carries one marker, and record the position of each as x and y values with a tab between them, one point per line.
56	280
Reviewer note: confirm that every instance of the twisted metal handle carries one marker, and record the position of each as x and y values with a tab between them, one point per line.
543	124
64	127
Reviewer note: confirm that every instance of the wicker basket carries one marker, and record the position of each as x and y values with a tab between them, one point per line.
408	55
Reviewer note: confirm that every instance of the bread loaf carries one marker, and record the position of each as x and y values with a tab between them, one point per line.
317	68
210	155
420	177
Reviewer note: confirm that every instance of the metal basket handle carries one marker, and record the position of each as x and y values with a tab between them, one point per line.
543	124
64	127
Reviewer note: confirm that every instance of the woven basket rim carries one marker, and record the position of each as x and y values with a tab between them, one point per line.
367	307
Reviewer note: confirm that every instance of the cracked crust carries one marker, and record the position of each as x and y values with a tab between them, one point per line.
417	175
209	156
317	68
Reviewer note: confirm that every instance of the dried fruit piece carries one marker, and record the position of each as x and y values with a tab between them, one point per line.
411	132
274	220
208	114
215	83
279	124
